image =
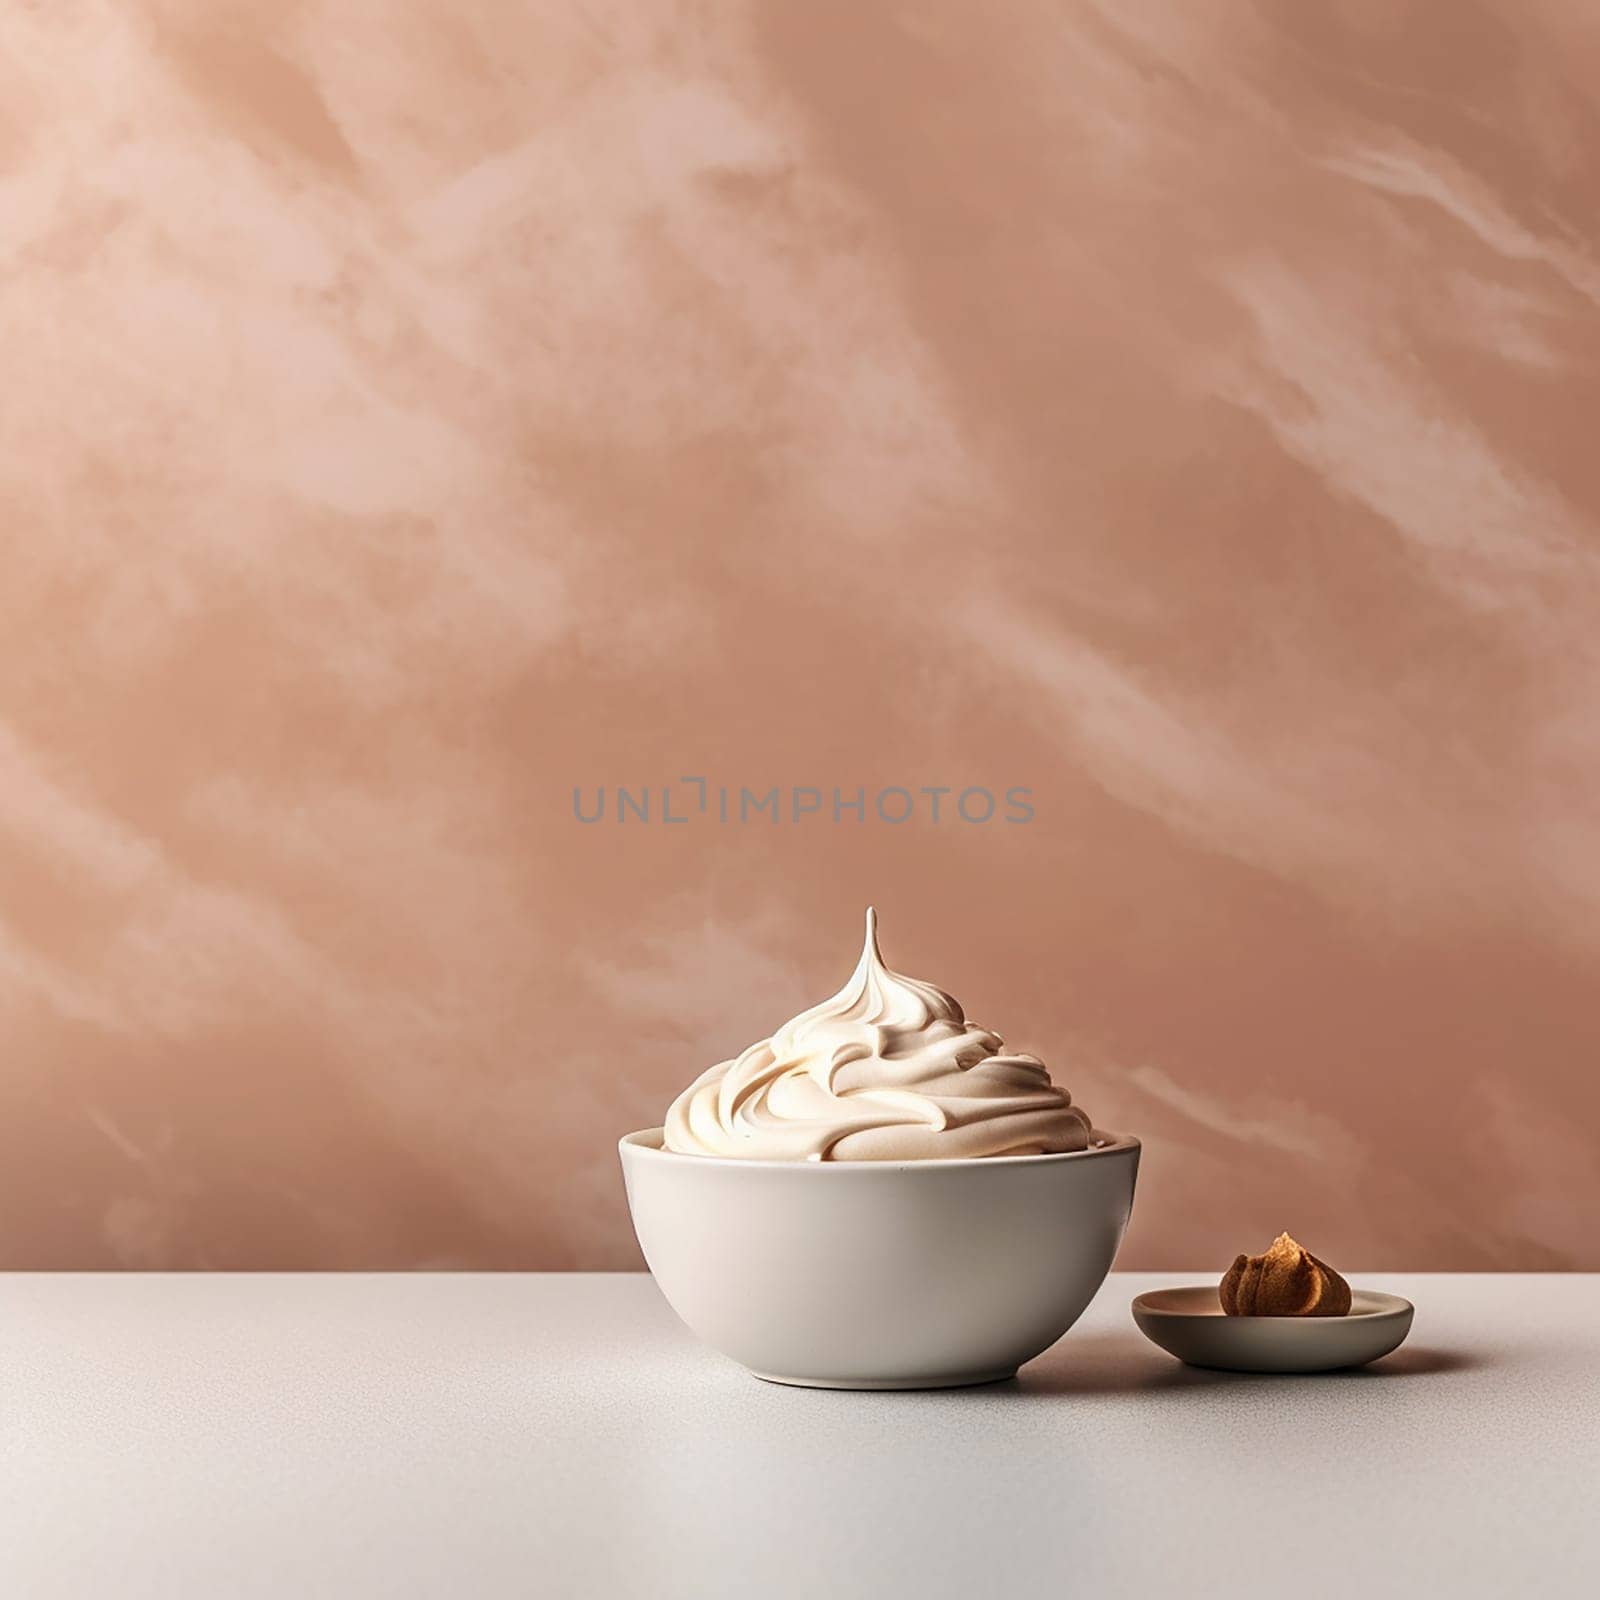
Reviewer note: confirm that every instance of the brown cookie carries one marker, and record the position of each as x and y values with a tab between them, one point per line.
1287	1281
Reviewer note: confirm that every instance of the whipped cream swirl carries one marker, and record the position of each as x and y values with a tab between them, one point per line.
889	1069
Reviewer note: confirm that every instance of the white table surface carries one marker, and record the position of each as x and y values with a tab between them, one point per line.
486	1436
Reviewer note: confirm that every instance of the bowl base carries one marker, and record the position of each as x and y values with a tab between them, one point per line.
963	1380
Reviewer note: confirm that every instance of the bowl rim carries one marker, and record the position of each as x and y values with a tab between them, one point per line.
636	1144
1390	1307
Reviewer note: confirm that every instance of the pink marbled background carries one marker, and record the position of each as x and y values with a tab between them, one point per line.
412	411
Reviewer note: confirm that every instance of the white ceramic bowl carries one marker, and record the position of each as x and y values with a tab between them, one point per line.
880	1274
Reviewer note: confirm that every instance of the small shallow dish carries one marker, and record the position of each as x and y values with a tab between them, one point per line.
880	1274
1191	1325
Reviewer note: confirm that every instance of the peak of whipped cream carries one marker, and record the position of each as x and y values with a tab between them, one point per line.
888	1069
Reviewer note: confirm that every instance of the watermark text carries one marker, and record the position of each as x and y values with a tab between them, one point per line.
696	799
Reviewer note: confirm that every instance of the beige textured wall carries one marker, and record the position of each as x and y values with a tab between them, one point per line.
414	411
